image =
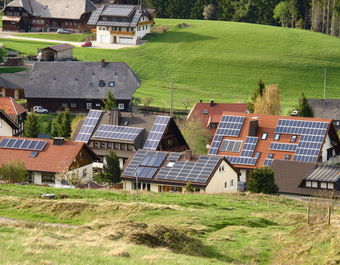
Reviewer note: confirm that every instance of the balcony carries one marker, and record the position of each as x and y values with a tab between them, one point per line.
116	32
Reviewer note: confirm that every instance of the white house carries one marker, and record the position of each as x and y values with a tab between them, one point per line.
7	126
124	24
170	172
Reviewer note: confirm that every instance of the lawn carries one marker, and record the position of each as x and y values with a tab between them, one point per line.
105	227
55	36
4	70
223	60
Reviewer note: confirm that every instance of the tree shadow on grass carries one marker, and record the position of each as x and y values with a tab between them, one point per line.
177	37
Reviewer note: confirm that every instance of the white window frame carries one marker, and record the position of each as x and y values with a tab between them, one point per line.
308	184
231	183
330	186
121	106
314	184
323	185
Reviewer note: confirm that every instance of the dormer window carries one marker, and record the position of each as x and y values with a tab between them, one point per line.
287	157
101	83
277	137
264	136
270	155
293	139
111	84
205	111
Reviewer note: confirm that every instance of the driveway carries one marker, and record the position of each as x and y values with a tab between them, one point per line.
111	46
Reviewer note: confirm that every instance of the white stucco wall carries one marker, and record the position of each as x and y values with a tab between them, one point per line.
5	129
326	146
243	176
80	172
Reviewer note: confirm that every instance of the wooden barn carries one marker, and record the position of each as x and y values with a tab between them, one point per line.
59	52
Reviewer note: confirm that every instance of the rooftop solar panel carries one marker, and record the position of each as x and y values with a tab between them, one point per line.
89	125
157	132
122	133
118	11
22	144
174	156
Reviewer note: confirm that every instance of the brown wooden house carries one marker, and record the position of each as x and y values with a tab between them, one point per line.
47	15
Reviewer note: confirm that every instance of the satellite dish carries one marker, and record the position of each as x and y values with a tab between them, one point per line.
208	146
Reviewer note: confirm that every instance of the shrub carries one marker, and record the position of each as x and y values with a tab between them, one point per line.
13	172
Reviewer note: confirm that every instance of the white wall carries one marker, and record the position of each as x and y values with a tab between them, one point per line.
37	178
5	129
243	176
141	33
217	182
326	146
80	172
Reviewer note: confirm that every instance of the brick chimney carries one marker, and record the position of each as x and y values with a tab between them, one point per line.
187	155
253	127
212	103
58	141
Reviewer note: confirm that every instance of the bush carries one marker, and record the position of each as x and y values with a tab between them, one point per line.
261	180
13	172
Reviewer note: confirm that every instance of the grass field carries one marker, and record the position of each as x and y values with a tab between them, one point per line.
223	60
55	36
105	227
4	70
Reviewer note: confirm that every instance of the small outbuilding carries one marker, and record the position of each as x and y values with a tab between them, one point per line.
59	52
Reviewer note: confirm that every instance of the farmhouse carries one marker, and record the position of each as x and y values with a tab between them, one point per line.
15	112
59	52
12	85
251	141
125	133
47	15
170	172
80	86
210	113
327	109
306	179
49	161
124	24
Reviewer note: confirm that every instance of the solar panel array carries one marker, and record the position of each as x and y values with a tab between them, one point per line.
283	147
114	132
88	126
157	131
240	160
95	16
23	144
229	126
174	157
194	172
136	18
117	11
249	146
113	23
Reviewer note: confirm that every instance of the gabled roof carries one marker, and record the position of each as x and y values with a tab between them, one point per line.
60	47
9	121
21	3
326	108
239	139
53	158
325	173
13	80
81	80
11	107
172	168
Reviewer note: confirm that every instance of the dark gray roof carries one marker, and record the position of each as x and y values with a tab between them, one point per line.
60	47
326	108
13	80
81	80
325	173
21	3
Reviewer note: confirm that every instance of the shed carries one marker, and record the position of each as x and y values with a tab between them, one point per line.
58	52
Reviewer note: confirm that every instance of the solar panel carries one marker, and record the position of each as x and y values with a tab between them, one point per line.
301	127
114	132
174	157
268	162
283	147
249	146
239	160
23	144
117	11
157	131
95	16
88	126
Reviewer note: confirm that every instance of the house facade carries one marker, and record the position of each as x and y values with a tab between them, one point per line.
7	126
49	162
59	52
251	141
159	171
15	112
80	86
124	24
12	85
45	15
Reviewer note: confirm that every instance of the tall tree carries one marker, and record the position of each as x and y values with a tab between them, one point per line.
111	169
31	126
109	101
270	102
281	13
259	90
261	180
304	109
56	130
66	125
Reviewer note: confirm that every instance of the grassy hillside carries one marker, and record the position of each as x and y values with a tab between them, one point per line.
223	60
55	36
104	227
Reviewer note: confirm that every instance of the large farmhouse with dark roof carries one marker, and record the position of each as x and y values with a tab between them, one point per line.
12	85
47	15
251	141
80	86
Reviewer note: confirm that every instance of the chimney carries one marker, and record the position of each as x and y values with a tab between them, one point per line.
201	101
212	102
253	127
187	155
58	141
103	63
115	117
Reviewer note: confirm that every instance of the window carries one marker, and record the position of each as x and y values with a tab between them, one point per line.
231	146
109	145
264	136
111	84
64	105
257	155
221	169
98	105
330	186
148	187
73	105
308	184
225	185
123	147
66	23
121	106
314	184
88	105
47	178
205	111
277	137
103	145
169	142
287	157
213	125
85	172
270	155
231	183
130	147
293	139
95	144
102	83
323	185
116	146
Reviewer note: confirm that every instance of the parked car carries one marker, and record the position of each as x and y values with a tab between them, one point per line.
39	109
63	31
294	113
86	44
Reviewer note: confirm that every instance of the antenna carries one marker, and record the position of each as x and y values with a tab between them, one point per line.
171	98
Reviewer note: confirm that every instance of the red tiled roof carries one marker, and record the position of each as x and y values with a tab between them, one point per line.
214	112
267	124
53	158
11	107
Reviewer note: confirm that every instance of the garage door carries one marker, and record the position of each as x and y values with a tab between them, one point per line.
104	39
125	40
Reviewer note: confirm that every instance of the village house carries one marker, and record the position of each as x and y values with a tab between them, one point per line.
15	112
209	114
80	86
49	161
125	133
47	15
59	52
7	126
306	179
251	141
327	109
12	85
171	172
124	24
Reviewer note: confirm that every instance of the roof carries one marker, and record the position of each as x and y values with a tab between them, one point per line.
13	80
122	15
207	112
84	80
53	158
9	121
60	47
326	108
325	173
172	167
11	107
289	175
243	146
55	9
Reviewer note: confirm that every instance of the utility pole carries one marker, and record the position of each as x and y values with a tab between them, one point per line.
171	99
324	83
136	188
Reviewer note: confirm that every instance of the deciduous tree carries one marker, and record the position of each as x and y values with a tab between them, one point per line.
13	172
269	103
261	180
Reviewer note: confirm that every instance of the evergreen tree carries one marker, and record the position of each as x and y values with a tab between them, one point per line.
259	90
66	125
111	169
304	109
110	101
31	126
56	130
261	180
